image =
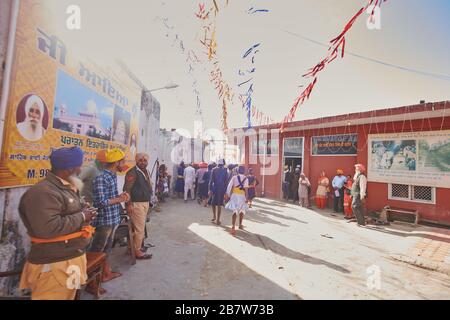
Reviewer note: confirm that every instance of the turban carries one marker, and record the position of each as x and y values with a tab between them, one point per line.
203	165
340	171
361	167
101	156
34	100
114	155
66	158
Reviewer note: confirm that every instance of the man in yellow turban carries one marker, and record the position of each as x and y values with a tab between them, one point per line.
108	201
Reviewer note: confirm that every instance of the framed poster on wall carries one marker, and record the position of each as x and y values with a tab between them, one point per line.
416	158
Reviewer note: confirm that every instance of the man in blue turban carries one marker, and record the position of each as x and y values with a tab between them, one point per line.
58	225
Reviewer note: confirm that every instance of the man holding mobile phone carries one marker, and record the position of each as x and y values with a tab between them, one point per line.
58	226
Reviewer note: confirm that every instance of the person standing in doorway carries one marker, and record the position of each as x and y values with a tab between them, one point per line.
338	187
294	184
286	182
303	188
359	193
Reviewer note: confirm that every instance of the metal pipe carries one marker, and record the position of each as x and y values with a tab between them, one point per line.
8	66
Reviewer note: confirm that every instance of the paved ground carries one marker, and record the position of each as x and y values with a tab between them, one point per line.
286	252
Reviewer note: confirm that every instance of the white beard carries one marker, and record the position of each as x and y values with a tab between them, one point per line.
28	132
76	182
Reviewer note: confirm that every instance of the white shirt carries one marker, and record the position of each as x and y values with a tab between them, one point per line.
189	175
235	183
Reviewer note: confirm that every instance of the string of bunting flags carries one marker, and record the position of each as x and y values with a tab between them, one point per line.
248	71
337	45
209	42
225	92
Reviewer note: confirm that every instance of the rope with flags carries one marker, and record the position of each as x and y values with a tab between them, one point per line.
337	45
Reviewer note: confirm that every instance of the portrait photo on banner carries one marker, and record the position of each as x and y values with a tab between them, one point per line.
32	117
121	127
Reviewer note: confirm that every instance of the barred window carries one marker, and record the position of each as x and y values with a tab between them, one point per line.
422	193
411	193
400	191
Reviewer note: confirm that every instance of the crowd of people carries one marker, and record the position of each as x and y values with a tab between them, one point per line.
348	192
78	209
75	210
218	185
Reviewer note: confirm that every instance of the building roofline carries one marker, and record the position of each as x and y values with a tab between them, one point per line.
411	112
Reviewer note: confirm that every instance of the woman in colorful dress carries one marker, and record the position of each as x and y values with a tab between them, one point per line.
236	192
348	212
322	191
252	183
179	186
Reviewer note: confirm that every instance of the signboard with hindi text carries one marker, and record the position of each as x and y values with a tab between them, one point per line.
57	99
415	158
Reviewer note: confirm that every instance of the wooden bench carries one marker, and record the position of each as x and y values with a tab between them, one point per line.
95	263
387	211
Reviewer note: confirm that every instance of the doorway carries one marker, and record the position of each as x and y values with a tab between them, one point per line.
292	158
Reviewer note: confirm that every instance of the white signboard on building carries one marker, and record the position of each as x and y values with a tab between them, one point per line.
415	158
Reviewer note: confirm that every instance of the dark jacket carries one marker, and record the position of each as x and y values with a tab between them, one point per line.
50	209
139	188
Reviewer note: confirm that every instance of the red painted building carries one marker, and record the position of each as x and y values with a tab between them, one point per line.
419	132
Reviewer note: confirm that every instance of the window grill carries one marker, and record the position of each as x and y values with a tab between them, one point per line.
411	193
422	193
400	191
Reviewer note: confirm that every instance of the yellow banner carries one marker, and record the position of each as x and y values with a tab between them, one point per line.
56	100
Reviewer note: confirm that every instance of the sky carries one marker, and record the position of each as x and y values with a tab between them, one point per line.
414	34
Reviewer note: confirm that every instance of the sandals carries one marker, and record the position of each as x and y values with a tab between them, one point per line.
145	256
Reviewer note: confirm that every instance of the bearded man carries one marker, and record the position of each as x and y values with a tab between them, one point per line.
57	222
31	128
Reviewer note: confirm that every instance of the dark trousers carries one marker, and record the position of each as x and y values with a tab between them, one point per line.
358	210
103	239
285	190
339	201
